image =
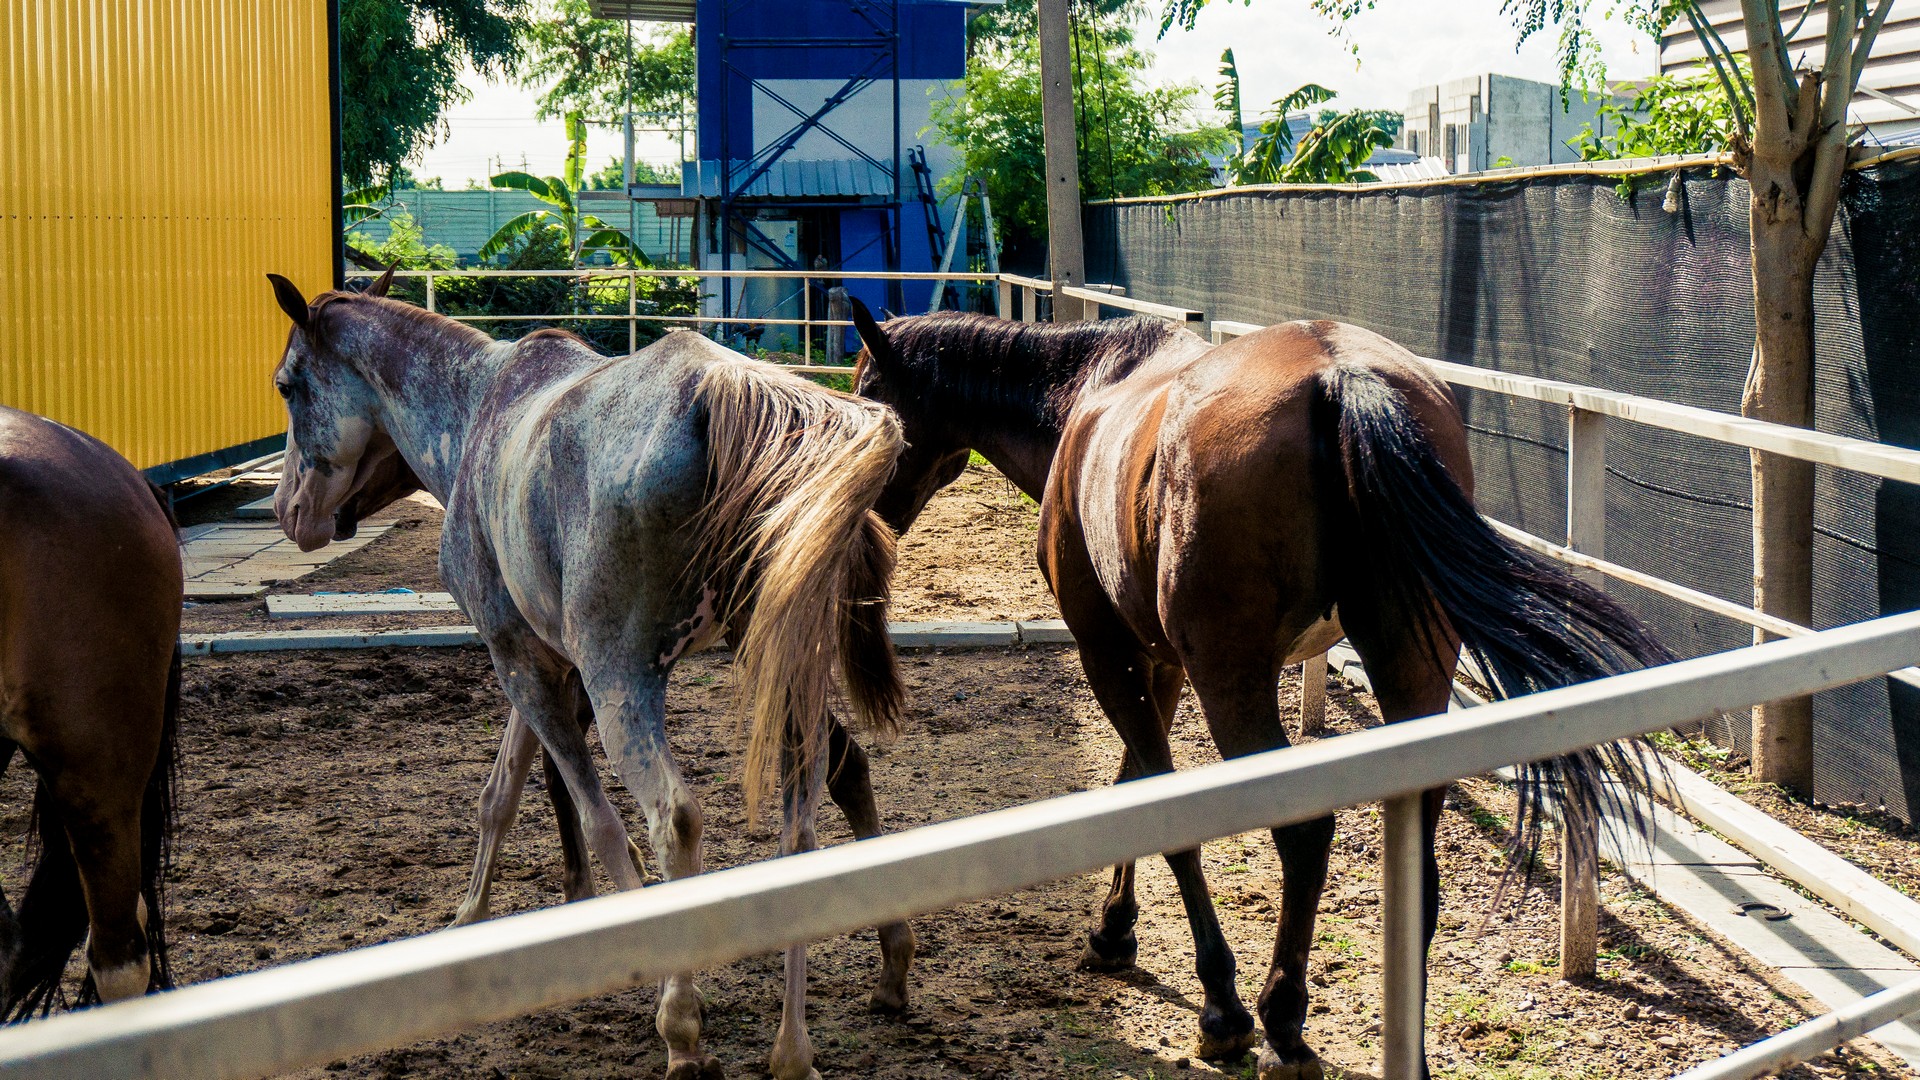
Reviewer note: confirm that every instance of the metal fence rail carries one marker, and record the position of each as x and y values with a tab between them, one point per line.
390	995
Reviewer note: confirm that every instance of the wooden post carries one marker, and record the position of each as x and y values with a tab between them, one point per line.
1029	304
1003	299
430	292
1066	257
1313	696
1579	840
839	310
633	279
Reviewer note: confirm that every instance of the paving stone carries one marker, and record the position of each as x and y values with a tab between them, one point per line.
924	635
1045	632
221	590
281	640
256	510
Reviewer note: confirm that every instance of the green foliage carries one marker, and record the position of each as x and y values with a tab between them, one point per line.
581	235
400	66
1265	159
1385	119
1226	98
546	249
1136	139
1001	30
1667	115
405	246
581	62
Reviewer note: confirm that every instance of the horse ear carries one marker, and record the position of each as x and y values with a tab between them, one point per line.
382	283
874	338
290	299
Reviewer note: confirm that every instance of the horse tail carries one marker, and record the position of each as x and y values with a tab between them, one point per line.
1416	540
52	920
793	471
157	820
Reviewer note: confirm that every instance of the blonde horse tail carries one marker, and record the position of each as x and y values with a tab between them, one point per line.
793	471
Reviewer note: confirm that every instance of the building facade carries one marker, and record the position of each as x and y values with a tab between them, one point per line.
133	296
1496	121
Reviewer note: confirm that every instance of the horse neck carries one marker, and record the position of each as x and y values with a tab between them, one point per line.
432	375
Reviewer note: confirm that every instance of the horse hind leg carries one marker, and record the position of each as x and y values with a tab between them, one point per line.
800	784
850	783
1113	947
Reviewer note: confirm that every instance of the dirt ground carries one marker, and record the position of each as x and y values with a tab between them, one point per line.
327	802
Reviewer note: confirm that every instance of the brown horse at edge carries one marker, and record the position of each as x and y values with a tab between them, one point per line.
1210	514
90	590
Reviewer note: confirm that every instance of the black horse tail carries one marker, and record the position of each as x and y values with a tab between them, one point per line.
1429	554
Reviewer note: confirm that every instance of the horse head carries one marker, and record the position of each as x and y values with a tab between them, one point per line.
935	454
340	464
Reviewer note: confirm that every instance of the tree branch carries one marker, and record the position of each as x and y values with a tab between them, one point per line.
1774	100
1739	92
1836	93
1863	48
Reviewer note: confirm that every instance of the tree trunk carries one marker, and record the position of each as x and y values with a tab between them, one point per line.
1780	390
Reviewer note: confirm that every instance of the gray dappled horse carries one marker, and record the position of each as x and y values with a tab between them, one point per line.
605	517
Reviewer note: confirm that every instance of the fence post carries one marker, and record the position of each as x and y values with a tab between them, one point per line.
1579	841
1003	302
430	292
806	320
839	310
1403	1016
1313	696
633	309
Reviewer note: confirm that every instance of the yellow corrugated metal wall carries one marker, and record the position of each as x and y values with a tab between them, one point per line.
157	159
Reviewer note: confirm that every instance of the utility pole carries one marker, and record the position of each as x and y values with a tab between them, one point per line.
1065	254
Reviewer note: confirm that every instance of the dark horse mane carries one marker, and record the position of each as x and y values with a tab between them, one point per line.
1019	371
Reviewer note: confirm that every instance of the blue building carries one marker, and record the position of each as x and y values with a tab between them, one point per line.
813	148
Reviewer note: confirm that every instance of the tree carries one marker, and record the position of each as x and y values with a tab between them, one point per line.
400	64
1335	151
583	233
1385	119
583	63
614	176
1789	141
1136	139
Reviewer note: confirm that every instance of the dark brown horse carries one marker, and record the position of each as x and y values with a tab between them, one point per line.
1212	514
90	589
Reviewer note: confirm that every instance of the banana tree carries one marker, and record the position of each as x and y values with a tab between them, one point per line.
585	233
1266	160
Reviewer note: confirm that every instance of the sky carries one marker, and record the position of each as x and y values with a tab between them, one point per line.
1279	44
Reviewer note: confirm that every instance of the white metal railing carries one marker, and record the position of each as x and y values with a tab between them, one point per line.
614	276
393	994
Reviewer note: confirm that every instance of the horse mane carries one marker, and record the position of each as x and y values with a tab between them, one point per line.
1015	370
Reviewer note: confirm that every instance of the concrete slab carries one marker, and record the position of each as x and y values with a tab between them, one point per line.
256	510
201	589
275	641
926	635
302	607
1045	632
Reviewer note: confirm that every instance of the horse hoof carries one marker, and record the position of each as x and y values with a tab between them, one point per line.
467	916
1101	956
1225	1047
888	1001
696	1068
1272	1068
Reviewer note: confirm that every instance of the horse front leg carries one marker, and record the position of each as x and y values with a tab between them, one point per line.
499	805
850	783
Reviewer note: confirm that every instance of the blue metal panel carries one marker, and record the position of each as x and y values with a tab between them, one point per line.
802	179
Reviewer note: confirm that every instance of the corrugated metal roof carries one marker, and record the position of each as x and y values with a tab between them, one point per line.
789	179
643	10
